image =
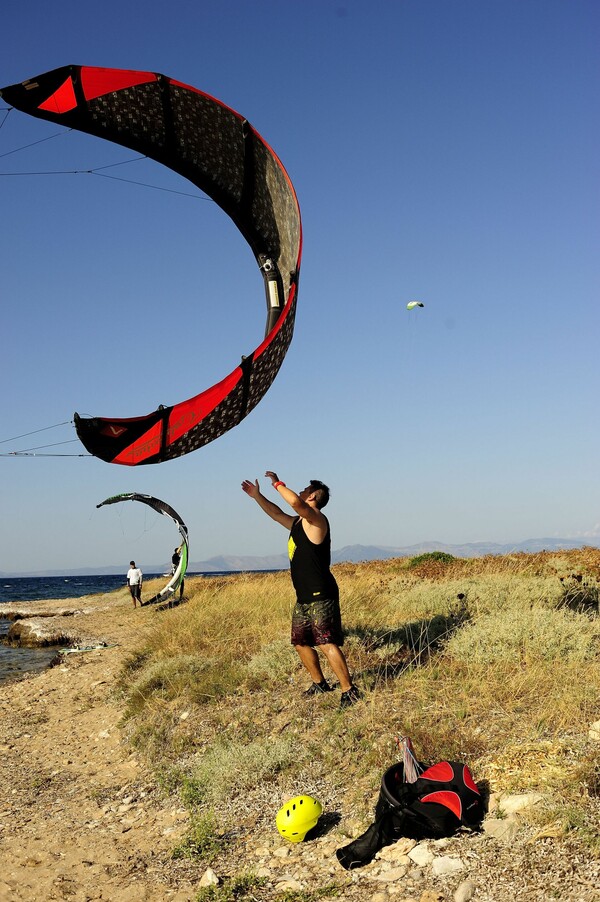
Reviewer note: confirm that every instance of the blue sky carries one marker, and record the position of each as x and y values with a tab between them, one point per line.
442	151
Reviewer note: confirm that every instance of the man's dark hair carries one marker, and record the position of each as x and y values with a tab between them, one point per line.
321	492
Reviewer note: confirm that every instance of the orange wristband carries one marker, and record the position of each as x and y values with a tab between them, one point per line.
277	484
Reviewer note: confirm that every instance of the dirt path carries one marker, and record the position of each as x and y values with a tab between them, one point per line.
80	817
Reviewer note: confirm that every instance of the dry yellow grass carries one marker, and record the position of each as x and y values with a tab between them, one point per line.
482	660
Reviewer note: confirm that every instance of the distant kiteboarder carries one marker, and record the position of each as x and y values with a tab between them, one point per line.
175	561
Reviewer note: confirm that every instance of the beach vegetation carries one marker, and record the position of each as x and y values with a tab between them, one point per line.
329	891
202	840
239	887
494	661
441	557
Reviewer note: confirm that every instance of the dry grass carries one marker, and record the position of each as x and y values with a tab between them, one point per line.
493	660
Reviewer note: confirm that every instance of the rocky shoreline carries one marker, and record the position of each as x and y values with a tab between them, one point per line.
39	624
81	816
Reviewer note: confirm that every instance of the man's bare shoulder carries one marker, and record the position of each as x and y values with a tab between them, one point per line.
316	529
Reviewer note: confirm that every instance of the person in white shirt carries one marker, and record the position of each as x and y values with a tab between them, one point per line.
134	581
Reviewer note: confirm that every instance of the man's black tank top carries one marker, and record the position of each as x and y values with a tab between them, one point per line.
309	565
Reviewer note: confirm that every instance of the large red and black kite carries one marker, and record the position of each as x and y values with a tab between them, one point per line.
215	148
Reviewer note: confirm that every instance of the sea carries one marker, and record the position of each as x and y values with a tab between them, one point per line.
16	663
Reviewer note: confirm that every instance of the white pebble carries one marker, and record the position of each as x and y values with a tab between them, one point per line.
519	801
293	885
209	878
446	865
421	855
464	891
390	875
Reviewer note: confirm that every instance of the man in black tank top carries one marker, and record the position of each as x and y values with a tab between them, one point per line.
316	621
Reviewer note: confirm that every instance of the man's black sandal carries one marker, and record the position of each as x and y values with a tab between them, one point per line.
349	697
319	688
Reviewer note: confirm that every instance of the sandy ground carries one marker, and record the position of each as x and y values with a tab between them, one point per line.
80	817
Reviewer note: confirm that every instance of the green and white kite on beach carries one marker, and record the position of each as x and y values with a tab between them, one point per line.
412	304
183	550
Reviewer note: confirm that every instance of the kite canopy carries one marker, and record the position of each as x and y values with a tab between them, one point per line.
162	508
215	148
412	304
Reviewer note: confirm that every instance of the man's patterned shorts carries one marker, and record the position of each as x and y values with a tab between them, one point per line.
317	623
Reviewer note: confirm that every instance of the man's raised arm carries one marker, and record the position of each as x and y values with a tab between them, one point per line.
274	512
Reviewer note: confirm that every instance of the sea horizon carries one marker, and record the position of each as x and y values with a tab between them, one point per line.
17	589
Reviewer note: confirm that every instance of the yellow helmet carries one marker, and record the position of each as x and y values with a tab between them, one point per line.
297	817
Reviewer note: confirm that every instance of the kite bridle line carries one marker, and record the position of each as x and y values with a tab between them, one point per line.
98	170
8	153
29	452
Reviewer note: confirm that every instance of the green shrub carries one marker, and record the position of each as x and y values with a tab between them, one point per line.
196	678
580	594
201	842
525	634
273	663
228	768
236	888
439	557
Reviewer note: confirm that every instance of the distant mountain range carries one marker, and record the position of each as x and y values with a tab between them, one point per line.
352	553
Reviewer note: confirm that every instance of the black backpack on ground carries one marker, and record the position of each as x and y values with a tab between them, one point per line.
440	801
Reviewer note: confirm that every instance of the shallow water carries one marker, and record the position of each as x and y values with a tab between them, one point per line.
15	663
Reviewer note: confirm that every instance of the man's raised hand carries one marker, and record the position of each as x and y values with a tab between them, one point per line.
251	488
